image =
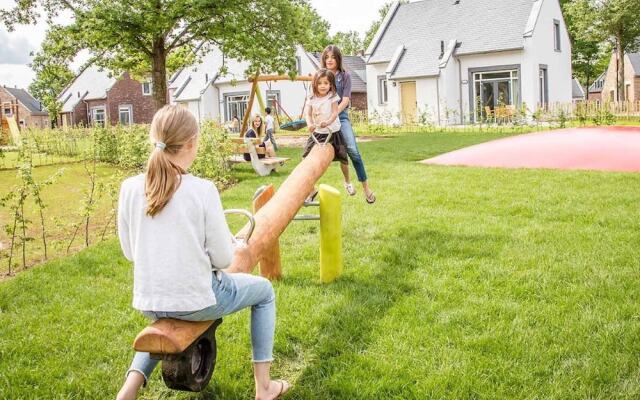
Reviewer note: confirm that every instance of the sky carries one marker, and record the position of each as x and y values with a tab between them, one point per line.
16	46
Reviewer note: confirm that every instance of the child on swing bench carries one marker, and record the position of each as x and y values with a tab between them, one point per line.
322	116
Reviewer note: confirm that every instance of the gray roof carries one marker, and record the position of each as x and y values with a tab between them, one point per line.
357	68
634	58
577	90
479	26
596	86
33	105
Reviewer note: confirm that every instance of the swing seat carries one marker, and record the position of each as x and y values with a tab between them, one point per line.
294	125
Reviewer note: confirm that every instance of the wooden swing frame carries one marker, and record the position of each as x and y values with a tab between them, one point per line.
254	91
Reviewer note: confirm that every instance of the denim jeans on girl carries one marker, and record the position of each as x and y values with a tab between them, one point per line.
352	147
233	292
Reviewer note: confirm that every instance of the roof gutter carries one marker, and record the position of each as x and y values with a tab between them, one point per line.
383	27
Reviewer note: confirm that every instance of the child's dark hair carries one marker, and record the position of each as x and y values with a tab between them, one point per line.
323	73
337	54
267	110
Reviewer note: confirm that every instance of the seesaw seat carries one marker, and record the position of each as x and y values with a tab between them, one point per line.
169	336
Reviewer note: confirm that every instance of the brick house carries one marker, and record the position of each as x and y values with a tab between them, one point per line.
595	90
631	78
27	111
95	97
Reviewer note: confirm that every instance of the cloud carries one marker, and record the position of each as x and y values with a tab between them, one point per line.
14	49
16	75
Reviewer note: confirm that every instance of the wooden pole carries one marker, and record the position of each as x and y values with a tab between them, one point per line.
274	216
247	114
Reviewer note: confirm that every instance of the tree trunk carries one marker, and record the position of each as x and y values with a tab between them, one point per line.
159	73
620	53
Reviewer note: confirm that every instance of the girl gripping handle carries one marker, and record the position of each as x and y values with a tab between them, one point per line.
322	116
172	227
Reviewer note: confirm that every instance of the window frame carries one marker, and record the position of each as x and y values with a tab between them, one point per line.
94	112
557	42
383	90
6	105
150	90
129	109
236	95
543	74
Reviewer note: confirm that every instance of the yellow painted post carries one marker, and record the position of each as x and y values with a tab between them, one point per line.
330	233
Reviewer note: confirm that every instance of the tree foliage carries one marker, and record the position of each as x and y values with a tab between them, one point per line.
618	22
590	54
143	34
382	12
349	42
51	65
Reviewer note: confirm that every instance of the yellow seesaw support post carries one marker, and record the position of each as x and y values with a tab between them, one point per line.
330	233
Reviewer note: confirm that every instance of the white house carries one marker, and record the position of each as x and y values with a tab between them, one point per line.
453	61
214	96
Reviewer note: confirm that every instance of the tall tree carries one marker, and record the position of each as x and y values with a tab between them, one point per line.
349	42
589	52
318	36
382	13
618	21
125	34
51	65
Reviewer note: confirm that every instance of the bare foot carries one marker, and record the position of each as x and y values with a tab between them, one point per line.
274	391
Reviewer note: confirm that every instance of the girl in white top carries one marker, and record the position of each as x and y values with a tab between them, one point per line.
322	115
172	227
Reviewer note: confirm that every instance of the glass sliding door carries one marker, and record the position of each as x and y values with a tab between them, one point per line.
494	90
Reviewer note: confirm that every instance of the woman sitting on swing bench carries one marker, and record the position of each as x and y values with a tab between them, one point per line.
255	131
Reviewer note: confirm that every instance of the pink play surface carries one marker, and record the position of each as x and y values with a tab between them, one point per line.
601	148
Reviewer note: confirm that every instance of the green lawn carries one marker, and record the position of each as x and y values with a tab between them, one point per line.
459	283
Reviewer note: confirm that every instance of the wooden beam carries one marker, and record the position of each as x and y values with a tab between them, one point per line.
274	216
272	78
247	114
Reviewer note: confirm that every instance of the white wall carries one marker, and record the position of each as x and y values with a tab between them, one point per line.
539	49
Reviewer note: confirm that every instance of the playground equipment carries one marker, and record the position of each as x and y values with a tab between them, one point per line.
255	93
9	124
188	349
262	166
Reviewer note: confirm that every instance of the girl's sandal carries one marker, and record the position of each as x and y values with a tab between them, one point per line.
282	388
371	198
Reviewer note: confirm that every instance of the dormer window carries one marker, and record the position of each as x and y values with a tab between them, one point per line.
147	88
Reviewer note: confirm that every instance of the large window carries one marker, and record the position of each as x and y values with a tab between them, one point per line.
556	35
383	95
235	105
125	114
495	90
98	116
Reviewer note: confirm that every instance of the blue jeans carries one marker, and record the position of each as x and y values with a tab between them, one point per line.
233	293
352	147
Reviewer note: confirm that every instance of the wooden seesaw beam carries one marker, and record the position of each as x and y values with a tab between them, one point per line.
274	216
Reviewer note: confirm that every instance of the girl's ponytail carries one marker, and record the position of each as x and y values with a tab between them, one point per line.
172	127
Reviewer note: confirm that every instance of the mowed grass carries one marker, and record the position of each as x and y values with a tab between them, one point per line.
459	283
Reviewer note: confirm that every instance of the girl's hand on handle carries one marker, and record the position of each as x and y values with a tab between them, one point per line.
311	128
323	124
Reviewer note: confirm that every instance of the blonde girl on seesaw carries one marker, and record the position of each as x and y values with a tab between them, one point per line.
172	227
